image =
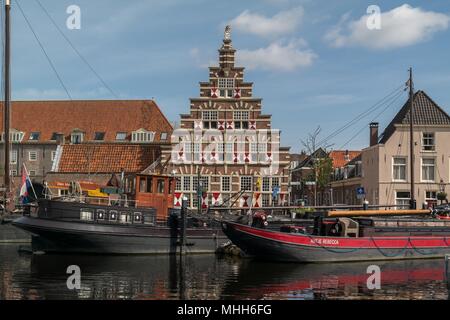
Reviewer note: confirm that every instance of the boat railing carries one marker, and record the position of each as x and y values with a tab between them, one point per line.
110	201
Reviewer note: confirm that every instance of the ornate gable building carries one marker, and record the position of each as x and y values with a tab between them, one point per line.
225	146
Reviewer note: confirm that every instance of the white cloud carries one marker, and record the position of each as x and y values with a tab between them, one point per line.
282	23
400	27
278	56
199	59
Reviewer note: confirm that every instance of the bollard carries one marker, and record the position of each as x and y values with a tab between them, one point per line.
293	214
366	205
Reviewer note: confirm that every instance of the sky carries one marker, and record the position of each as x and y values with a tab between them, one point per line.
314	63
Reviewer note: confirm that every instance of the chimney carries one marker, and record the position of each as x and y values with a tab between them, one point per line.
346	156
373	133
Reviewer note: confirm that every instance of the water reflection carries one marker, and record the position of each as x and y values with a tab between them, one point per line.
209	277
409	279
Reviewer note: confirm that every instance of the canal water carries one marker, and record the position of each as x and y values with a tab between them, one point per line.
25	276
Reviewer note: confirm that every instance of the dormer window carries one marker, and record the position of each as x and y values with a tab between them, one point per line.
14	136
76	137
121	136
34	136
99	136
142	135
163	136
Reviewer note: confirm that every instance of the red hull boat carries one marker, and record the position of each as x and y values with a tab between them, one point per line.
371	240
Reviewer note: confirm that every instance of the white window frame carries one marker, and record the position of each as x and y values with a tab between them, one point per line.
178	183
186	184
262	147
13	157
223	183
120	134
142	136
429	146
266	198
405	201
394	165
205	183
253	147
76	134
14	136
431	198
35	152
53	155
226	86
422	178
241	115
229	147
275	182
265	184
210	115
226	83
63	192
246	180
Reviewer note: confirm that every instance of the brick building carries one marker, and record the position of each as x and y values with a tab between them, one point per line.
39	129
227	143
97	164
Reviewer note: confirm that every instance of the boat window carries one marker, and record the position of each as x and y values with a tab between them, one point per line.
123	217
160	186
101	214
149	184
149	218
86	214
137	217
113	215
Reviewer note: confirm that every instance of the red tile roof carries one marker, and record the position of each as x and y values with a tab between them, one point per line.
339	157
106	158
90	116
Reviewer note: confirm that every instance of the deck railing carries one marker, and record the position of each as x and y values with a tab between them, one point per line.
93	200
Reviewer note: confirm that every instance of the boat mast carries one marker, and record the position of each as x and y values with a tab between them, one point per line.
411	140
7	104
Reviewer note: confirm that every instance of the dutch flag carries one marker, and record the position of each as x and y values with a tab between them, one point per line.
26	184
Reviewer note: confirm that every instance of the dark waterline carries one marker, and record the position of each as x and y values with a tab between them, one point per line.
25	276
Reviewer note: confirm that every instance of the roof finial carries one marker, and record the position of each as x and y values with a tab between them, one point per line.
227	34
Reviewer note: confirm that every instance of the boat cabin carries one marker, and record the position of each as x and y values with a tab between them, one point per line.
151	190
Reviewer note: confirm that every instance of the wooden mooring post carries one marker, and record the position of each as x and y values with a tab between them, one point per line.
183	218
